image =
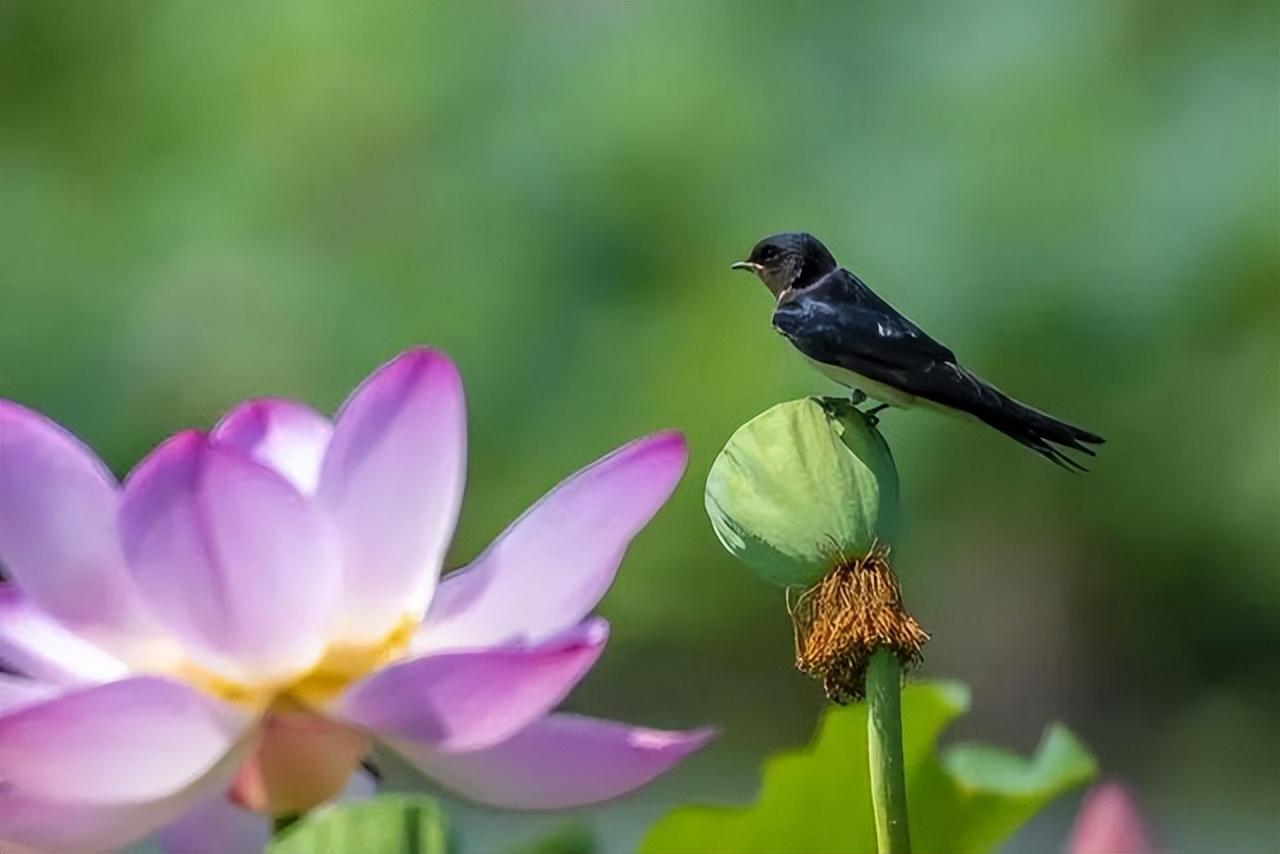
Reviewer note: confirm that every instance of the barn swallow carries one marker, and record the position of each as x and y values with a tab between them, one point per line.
863	343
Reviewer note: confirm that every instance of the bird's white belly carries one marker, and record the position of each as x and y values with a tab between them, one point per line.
873	389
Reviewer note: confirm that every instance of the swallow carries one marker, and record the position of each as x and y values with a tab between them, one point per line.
857	339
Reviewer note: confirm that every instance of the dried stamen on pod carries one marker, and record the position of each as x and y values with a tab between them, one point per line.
840	621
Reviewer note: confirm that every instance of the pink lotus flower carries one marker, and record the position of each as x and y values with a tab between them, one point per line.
1109	823
257	605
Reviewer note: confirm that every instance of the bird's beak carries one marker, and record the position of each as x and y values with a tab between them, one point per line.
745	265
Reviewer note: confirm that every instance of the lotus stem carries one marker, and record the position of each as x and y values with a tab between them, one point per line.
884	750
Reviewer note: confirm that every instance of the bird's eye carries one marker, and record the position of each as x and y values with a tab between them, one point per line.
766	252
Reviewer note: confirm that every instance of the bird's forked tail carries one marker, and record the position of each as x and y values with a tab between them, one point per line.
1039	431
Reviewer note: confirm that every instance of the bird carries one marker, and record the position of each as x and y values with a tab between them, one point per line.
857	339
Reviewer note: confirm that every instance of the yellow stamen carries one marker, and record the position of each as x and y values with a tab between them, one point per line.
341	664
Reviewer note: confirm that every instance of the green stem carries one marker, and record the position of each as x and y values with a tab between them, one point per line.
884	744
284	821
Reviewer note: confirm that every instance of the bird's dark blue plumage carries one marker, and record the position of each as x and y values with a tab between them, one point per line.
838	319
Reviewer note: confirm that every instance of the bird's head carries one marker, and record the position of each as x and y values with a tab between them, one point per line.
789	260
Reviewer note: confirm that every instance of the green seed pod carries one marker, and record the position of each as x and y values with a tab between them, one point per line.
802	486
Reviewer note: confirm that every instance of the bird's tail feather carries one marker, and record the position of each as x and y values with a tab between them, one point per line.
1037	430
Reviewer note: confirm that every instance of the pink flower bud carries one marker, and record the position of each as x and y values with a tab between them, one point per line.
1109	823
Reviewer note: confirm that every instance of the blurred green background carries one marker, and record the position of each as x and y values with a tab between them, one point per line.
204	202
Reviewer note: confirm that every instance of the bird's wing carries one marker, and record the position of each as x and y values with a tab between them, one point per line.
840	321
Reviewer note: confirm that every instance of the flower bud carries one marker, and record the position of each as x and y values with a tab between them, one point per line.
801	487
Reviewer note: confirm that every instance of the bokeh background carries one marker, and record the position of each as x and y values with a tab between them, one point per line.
205	201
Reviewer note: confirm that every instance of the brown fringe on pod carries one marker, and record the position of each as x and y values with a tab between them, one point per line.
839	622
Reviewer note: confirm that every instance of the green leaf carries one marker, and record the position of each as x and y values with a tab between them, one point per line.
389	824
817	800
567	839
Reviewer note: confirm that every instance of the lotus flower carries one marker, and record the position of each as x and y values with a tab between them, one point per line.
255	607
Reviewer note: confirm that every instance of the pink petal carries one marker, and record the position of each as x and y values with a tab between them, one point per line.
392	480
468	700
559	762
135	739
239	565
57	530
550	568
282	435
18	691
1109	823
67	825
40	824
33	643
216	826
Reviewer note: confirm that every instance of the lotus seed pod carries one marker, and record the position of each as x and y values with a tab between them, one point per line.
802	486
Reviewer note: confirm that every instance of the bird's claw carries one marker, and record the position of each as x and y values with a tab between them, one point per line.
873	419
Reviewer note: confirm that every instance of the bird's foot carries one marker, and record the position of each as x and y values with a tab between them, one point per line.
870	414
857	396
